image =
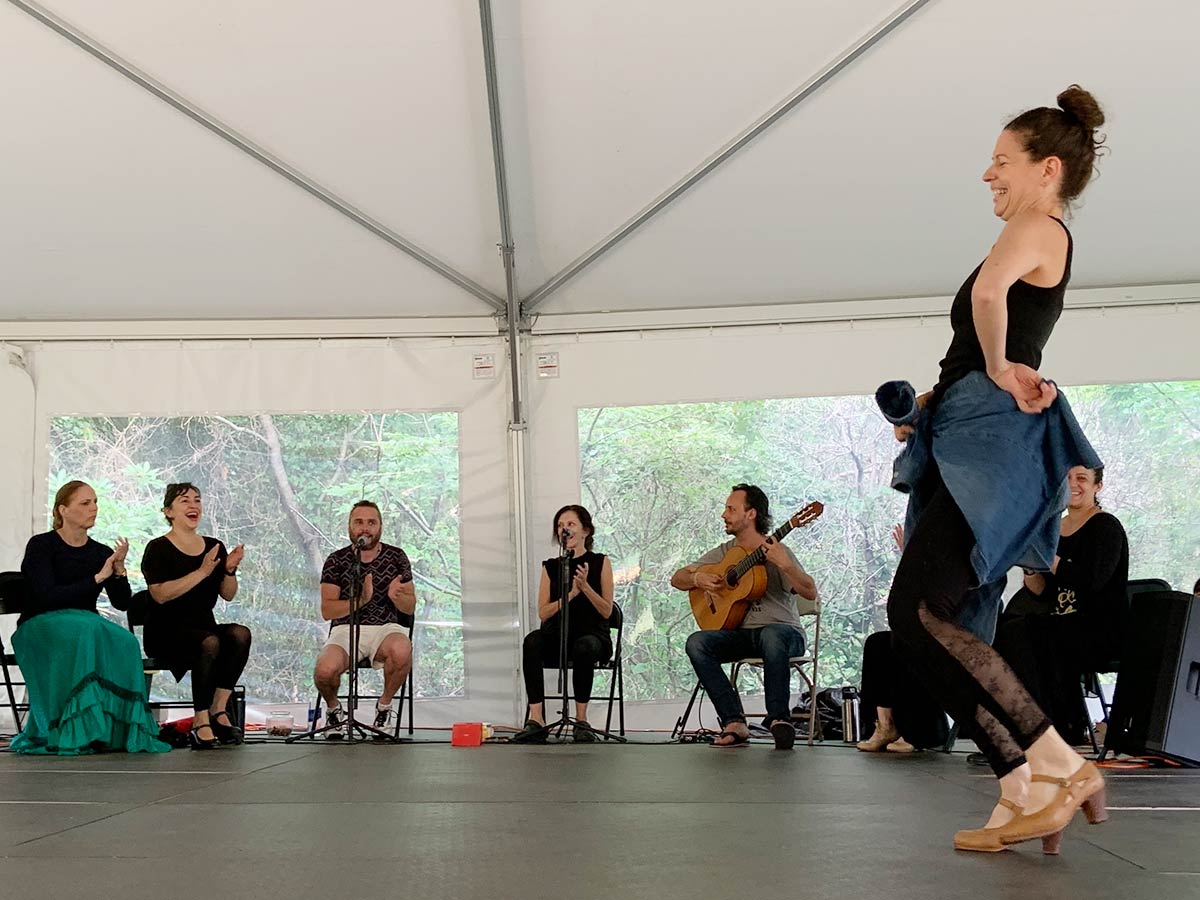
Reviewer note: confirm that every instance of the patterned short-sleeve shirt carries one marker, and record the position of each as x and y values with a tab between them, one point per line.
391	562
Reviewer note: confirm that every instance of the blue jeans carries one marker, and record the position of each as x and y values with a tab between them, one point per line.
774	644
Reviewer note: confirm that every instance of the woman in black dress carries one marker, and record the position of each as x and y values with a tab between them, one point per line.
588	640
186	572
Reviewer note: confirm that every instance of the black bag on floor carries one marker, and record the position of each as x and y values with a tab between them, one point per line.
829	712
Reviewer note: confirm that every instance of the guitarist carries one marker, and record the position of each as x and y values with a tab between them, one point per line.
771	629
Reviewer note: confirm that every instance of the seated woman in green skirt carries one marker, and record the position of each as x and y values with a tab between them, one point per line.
83	674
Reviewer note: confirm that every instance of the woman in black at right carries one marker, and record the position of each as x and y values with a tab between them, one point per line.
1001	440
1073	617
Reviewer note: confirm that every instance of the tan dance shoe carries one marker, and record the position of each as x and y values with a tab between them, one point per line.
1084	789
986	840
877	742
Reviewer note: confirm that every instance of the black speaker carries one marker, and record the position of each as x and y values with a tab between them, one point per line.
1156	706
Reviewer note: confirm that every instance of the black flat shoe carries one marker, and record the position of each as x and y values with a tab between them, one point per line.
226	734
532	733
198	743
784	734
581	733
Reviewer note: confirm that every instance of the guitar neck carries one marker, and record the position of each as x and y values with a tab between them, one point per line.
758	556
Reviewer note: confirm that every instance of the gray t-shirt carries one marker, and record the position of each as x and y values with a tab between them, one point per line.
777	605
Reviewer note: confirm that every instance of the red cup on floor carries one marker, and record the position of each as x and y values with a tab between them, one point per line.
466	734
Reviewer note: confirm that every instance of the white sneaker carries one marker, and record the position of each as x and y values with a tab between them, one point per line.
383	720
336	722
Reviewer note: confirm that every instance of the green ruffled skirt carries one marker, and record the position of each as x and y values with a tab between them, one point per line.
86	688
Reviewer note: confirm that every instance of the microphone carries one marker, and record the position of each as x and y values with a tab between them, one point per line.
563	537
362	542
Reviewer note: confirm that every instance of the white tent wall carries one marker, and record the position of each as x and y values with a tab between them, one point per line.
1154	343
598	369
247	377
16	457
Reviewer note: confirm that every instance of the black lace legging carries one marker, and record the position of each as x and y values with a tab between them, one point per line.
541	650
968	678
219	659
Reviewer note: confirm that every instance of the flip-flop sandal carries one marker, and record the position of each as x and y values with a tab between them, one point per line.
739	740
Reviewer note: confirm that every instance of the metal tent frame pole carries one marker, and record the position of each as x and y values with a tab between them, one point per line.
794	99
250	148
518	426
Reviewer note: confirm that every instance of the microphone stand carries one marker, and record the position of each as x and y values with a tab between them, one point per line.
564	647
356	732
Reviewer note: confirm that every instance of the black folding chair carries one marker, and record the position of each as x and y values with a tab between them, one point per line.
616	682
799	664
13	600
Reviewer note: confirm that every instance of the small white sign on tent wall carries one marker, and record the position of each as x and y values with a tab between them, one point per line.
483	365
547	365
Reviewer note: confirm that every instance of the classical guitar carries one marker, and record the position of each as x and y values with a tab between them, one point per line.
744	578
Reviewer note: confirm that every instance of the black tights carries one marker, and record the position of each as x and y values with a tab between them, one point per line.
221	656
970	680
540	651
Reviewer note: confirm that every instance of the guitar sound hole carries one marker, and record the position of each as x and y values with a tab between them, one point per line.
731	578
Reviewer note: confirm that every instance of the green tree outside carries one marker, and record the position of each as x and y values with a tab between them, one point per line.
656	478
283	486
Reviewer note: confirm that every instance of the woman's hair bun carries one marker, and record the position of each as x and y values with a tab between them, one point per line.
1080	104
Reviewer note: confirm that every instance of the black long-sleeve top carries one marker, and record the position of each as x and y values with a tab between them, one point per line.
59	576
1091	578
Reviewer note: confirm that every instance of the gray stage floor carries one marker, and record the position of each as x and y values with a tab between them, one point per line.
430	821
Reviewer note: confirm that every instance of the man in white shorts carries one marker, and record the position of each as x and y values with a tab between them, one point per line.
385	614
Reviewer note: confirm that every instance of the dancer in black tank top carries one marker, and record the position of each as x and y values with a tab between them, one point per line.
1032	311
1002	317
591	605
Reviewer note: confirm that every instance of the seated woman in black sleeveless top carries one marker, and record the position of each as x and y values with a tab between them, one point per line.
186	572
591	604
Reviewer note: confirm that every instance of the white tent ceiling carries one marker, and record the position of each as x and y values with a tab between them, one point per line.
117	206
